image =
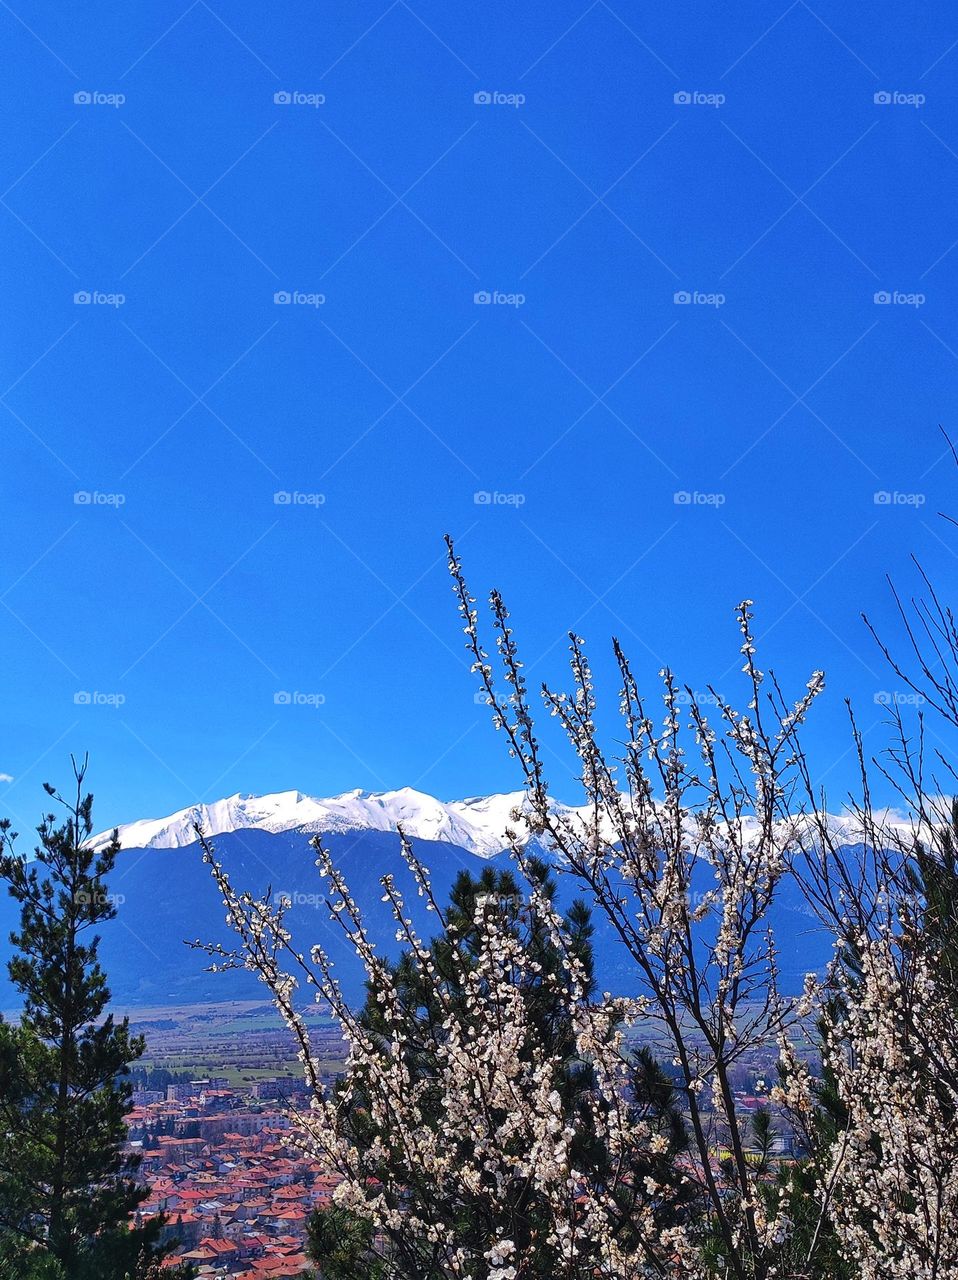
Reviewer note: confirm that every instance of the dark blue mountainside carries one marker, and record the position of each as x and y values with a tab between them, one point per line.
167	897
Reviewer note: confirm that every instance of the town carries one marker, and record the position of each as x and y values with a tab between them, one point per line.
223	1166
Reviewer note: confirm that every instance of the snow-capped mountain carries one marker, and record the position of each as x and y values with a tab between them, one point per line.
168	894
478	824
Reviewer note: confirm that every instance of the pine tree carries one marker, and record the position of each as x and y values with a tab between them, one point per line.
812	1246
341	1244
931	891
67	1190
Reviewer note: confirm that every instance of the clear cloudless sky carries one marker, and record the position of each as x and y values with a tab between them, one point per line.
650	460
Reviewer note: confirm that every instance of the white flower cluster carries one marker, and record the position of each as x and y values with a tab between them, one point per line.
684	854
895	1168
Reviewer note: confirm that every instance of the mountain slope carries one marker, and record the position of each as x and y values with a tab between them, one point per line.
166	897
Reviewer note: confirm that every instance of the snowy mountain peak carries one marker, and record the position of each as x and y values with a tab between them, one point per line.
478	824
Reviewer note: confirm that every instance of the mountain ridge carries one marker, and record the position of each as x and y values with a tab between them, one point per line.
477	824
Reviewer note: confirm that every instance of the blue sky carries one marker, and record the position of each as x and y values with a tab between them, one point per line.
683	215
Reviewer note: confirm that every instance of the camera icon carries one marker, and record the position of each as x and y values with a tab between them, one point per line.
82	498
283	298
883	498
482	699
82	698
682	298
282	98
482	298
683	498
83	298
682	98
282	498
882	98
882	297
483	498
482	98
83	98
282	698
